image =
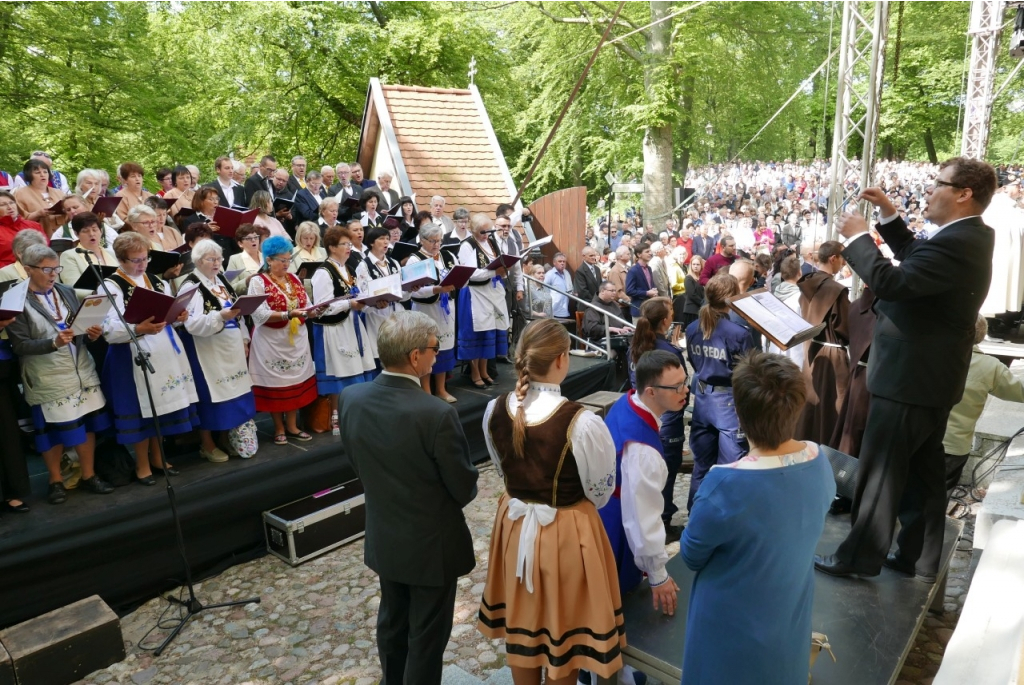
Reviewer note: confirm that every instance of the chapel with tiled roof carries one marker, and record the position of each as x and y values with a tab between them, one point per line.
434	141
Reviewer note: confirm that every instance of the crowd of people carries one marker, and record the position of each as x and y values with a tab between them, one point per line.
588	507
321	242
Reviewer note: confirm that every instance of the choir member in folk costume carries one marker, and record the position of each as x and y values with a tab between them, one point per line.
216	341
355	229
483	317
280	362
552	593
174	392
58	374
376	265
439	304
343	352
407	217
371	217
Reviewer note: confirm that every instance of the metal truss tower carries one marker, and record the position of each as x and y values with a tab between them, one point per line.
858	94
986	18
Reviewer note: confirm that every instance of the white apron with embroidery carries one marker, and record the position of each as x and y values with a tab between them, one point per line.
341	346
173	386
274	361
445	322
220	350
487	301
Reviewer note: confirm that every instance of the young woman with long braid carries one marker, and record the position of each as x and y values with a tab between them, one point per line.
713	344
552	592
651	329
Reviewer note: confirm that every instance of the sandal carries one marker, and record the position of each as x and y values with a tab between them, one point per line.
488	381
480	384
280	439
301	436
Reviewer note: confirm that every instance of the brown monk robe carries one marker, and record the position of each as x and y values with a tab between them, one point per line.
853	416
826	364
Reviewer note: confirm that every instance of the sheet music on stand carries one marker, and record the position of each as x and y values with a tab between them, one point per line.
770	315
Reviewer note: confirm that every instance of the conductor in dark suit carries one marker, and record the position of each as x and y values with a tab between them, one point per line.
416	480
920	354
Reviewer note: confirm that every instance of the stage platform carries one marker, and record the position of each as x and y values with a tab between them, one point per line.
870	623
121	546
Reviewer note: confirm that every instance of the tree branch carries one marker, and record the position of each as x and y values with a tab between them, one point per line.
626	49
378	13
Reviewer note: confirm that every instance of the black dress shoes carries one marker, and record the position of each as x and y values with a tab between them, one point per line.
146	480
9	508
57	494
894	562
171	471
832	566
96	485
673	533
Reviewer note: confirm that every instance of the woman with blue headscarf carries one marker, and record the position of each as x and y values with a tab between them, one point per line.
280	362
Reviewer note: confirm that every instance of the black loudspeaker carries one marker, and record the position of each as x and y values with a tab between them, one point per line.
682	194
844	468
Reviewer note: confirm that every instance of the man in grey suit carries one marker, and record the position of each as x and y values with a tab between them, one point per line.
416	480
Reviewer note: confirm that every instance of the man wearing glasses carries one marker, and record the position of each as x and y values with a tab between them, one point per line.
920	356
417	481
632	518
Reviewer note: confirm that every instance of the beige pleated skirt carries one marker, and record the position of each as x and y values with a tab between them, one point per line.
573	617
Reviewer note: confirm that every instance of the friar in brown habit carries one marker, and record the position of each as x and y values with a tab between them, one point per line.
826	362
853	416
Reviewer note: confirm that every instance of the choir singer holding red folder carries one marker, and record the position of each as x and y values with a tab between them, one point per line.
174	392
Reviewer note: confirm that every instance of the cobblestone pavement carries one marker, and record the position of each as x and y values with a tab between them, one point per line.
316	622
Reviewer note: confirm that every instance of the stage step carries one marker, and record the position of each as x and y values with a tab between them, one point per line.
453	675
66	644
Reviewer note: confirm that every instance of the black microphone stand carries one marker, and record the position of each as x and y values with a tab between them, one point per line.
192	605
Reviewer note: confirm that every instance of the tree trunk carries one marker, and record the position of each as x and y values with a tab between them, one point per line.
930	144
657	144
686	128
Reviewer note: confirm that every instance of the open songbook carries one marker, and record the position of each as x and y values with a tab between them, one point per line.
770	315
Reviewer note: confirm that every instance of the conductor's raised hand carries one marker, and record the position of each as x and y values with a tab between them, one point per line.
878	198
850	224
664	597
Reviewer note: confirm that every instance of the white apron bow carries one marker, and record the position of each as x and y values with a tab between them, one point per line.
537	515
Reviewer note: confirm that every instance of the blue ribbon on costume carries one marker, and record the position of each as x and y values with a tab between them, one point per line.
230	323
445	303
360	320
495	281
170	334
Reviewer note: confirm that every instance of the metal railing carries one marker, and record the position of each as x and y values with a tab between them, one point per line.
608	317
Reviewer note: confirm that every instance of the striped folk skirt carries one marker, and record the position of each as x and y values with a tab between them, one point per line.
573	618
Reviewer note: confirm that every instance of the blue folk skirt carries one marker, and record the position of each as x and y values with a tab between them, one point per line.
118	381
325	383
68	433
216	416
472	344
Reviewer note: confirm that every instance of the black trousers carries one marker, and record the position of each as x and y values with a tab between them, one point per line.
902	476
414	623
14	481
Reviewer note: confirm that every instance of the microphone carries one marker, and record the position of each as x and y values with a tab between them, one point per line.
88	253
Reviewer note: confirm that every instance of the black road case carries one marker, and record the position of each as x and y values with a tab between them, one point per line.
316	524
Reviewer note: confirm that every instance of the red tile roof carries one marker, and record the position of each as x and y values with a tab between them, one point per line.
444	143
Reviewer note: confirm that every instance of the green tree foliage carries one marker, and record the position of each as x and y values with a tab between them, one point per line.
97	83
